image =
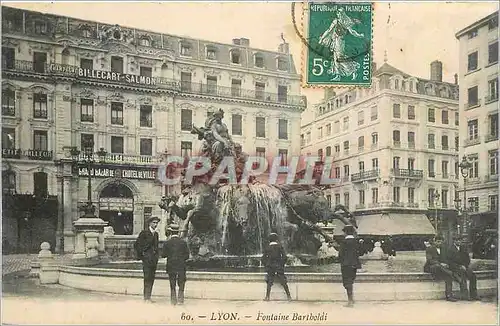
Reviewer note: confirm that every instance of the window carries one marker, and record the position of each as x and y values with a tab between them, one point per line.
361	143
185	81
346	199
492	89
235	87
185	49
411	195
493	160
8	58
117	145
337	199
395	162
474	170
40	28
87	142
374	195
259	152
346	146
260	127
493	126
337	148
282	93
444	117
329	200
146	146
444	142
186	119
444	198
282	64
212	84
361	197
361	166
493	53
40	106
457	118
282	129
411	112
8	102
411	139
146	116
86	110
430	168
474	204
396	110
39	61
472	61
40	140
8	138
235	56
374	163
117	64
396	84
373	113
320	153
236	124
211	53
308	137
374	139
361	118
116	113
86	33
457	141
472	97
346	170
444	169
283	154
302	140
328	151
40	186
259	90
259	61
431	196
473	129
411	163
396	138
146	71
431	115
346	123
186	148
329	129
86	64
396	194
492	203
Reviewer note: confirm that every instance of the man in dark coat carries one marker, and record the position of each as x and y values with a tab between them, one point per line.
274	259
176	251
459	263
146	248
349	262
436	264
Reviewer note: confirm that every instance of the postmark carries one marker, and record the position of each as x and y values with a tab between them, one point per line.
338	44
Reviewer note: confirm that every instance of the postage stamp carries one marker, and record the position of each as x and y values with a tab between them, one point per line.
338	41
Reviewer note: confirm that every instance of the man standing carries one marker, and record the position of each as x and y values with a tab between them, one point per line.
274	259
146	248
177	252
436	265
459	263
349	262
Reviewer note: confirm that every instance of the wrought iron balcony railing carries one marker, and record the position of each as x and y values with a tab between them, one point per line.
365	175
408	173
29	154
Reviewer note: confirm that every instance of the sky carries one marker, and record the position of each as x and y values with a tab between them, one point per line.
412	34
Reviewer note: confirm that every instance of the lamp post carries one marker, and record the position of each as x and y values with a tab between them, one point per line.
435	198
464	166
88	159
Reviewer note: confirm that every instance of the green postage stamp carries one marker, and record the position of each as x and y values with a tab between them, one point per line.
338	44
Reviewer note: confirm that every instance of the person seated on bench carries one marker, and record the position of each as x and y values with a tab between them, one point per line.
459	262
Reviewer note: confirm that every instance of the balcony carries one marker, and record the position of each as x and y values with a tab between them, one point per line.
408	173
472	142
8	111
87	118
472	105
411	145
365	175
491	137
122	159
491	178
30	154
412	205
490	98
396	144
360	206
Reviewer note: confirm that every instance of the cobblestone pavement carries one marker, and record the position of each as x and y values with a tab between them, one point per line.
12	264
26	302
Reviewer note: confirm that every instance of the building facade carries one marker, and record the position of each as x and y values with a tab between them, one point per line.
479	118
136	95
394	147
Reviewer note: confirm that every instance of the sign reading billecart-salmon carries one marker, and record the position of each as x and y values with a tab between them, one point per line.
127	173
108	75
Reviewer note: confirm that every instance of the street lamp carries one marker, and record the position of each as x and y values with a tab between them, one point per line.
435	197
87	158
464	166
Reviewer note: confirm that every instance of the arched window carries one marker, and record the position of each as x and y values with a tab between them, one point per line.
65	56
144	41
86	32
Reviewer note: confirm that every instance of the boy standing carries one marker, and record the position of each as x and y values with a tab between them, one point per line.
349	262
274	259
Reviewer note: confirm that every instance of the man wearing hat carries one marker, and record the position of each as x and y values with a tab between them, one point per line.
274	259
349	261
176	251
459	263
146	247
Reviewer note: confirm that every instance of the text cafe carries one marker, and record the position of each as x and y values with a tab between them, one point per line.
126	173
108	75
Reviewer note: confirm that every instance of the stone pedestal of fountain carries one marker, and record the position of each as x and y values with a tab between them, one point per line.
376	254
48	269
89	240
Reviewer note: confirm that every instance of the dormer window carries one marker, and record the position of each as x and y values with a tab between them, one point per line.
186	49
40	27
235	56
282	64
259	60
211	53
86	33
396	84
145	41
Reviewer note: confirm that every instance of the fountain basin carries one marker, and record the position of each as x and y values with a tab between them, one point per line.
241	285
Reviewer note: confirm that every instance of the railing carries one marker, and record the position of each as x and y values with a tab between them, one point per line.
116	121
473	104
408	173
360	206
412	205
471	142
491	137
374	146
183	86
8	111
121	159
373	205
345	178
30	154
490	98
87	118
365	175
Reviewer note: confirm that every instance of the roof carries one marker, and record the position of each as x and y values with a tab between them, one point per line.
476	24
390	70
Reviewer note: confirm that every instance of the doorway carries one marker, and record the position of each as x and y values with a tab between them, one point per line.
116	206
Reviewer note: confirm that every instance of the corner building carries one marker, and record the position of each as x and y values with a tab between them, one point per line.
394	149
135	94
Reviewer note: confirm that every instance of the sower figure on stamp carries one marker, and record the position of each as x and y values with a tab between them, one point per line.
176	251
436	264
459	262
349	261
274	259
146	248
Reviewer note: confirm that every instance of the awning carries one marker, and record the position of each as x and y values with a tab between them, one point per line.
395	224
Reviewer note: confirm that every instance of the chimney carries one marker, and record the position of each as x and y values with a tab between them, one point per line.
284	48
244	42
437	71
236	41
456	79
